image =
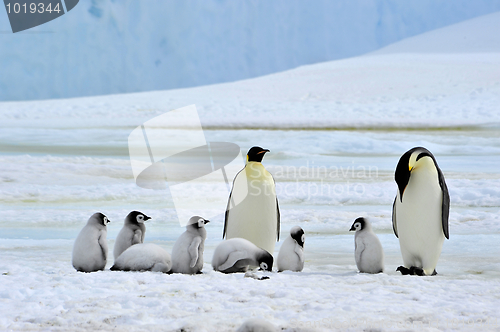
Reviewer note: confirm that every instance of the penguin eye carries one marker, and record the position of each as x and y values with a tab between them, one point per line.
201	222
105	220
303	238
140	218
263	266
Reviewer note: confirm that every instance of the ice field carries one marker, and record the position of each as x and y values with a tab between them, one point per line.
336	131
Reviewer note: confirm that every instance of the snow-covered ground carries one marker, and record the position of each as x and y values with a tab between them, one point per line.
335	130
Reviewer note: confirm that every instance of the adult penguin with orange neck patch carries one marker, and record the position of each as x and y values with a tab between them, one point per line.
420	211
257	217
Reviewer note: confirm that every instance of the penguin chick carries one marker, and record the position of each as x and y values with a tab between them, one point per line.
187	254
257	217
291	255
237	255
143	257
368	250
133	232
420	211
90	251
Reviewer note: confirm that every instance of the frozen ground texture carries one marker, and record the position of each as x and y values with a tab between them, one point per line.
109	46
335	131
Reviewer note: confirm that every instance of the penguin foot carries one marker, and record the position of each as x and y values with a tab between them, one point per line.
404	271
417	271
413	271
434	273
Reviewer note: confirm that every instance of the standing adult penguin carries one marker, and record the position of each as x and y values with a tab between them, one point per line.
133	232
420	211
291	255
90	251
187	254
368	250
257	217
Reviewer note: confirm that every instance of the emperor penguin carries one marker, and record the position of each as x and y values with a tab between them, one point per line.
90	251
257	217
420	211
291	255
368	251
133	232
238	255
187	254
143	257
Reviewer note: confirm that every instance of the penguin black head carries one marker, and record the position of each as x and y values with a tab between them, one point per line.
100	219
136	217
197	222
256	154
297	234
359	224
265	260
407	163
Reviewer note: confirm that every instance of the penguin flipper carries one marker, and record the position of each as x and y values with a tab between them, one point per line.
232	258
299	253
137	237
104	245
445	206
279	218
359	248
394	224
193	251
226	215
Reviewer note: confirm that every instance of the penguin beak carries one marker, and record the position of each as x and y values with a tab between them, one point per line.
352	228
206	221
146	218
263	151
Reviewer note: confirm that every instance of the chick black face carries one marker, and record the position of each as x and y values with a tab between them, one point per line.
256	154
359	224
136	217
197	222
266	261
297	234
100	218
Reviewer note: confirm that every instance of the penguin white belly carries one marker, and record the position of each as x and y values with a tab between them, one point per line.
288	259
256	217
419	221
369	253
181	257
87	252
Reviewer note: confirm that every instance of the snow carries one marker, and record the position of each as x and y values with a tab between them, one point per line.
108	46
335	131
